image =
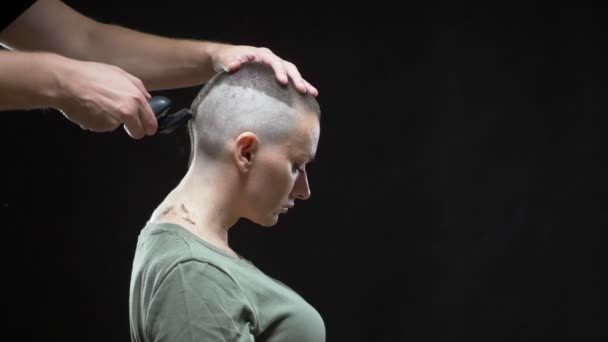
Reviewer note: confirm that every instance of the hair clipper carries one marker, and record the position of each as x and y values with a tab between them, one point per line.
167	123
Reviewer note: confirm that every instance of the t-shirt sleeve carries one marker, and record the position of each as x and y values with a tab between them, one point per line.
198	302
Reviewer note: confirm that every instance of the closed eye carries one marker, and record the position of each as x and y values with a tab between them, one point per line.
298	168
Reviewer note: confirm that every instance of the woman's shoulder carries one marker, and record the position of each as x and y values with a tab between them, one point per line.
162	247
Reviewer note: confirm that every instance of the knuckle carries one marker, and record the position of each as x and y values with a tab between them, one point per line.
266	50
134	132
136	100
293	67
125	111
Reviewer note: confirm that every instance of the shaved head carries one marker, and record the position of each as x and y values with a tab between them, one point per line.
250	99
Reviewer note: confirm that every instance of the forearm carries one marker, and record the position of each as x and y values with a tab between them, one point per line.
160	62
28	80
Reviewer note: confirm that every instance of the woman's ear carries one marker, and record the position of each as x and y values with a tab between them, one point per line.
246	147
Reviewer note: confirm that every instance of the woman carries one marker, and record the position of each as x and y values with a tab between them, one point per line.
251	141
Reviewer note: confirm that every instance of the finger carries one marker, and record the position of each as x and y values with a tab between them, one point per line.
232	66
145	115
278	65
237	61
147	118
220	66
135	134
311	90
133	125
293	72
109	125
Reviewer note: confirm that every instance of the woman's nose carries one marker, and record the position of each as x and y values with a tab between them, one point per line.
301	189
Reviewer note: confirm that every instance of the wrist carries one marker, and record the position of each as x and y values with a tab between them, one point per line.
208	53
56	71
32	79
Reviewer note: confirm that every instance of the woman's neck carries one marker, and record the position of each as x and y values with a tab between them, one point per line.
204	203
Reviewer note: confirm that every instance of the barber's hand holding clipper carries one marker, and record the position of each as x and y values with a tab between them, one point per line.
100	97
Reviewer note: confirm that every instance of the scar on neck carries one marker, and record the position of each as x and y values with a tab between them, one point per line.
167	210
183	207
187	219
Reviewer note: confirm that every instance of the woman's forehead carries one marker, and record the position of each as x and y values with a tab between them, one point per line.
304	139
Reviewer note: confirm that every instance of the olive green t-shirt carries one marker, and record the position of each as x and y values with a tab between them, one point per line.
185	289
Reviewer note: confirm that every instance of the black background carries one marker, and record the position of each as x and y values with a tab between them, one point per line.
455	192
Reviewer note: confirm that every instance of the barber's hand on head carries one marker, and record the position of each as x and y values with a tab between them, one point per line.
230	57
100	97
